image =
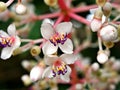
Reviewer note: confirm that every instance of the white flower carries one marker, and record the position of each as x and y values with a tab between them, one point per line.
57	37
58	66
9	41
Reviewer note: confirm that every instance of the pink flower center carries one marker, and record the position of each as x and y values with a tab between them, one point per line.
59	67
58	38
6	41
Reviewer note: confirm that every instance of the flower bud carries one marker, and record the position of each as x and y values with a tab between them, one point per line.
107	9
95	66
36	73
109	33
101	2
20	9
3	6
35	50
108	44
17	51
26	80
96	23
102	57
51	2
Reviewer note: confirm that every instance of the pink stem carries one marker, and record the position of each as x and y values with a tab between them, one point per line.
51	15
62	4
79	64
79	18
83	8
9	2
60	19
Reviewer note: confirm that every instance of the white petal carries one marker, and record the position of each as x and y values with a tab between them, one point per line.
47	73
66	77
6	52
67	47
17	42
4	34
64	27
69	58
47	30
11	30
36	73
48	48
49	59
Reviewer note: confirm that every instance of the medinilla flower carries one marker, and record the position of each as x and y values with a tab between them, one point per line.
57	37
9	42
58	66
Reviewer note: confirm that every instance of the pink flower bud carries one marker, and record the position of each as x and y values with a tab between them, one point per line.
109	33
95	24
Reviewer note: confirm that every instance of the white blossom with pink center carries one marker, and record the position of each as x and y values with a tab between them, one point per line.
9	42
58	66
57	37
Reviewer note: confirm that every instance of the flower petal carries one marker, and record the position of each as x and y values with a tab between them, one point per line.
48	48
47	30
17	42
49	59
11	30
69	58
3	34
6	52
66	77
47	73
64	27
67	47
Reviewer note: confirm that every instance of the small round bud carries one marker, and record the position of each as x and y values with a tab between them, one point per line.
35	50
107	9
101	2
3	6
36	73
109	33
102	57
20	9
108	44
26	80
95	25
51	2
95	66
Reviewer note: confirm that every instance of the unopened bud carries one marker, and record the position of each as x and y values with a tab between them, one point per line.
101	2
51	2
102	57
107	9
36	73
108	44
20	9
3	6
35	51
96	23
26	80
108	33
95	66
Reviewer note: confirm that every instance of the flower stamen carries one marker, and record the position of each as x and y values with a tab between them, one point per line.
58	38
